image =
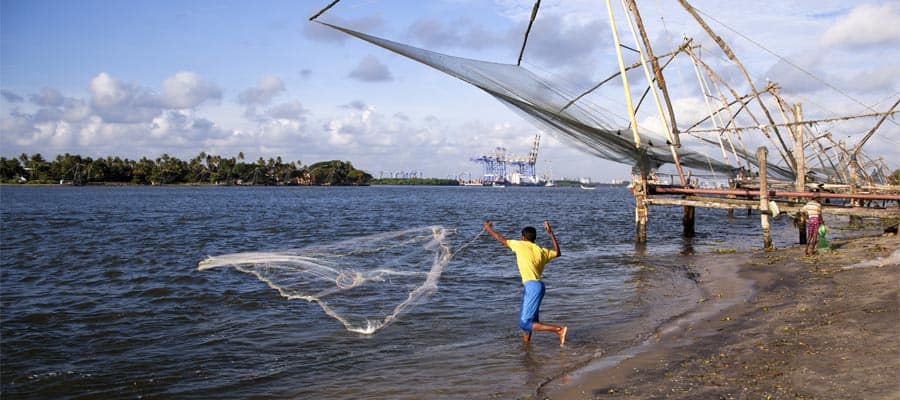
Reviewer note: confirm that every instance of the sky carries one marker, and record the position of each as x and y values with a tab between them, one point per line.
145	78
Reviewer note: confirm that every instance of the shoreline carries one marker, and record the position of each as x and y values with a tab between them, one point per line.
770	325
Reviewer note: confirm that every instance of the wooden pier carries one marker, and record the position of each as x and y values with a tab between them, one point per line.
877	202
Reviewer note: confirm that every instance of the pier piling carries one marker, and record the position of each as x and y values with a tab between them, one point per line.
687	221
761	154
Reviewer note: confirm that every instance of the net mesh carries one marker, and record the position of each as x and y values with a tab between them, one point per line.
365	282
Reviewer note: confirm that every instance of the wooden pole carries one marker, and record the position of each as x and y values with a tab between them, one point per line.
628	102
800	181
731	56
874	129
687	221
641	211
732	118
671	132
761	154
731	185
660	79
800	157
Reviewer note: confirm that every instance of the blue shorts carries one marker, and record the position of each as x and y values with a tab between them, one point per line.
531	304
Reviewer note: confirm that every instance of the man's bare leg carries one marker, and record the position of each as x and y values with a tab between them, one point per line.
526	337
559	330
811	243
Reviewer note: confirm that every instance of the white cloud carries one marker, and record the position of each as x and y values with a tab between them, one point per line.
11	96
265	90
462	33
557	40
281	131
117	118
354	129
107	91
185	126
291	111
187	90
56	133
115	101
884	78
55	106
76	110
794	80
17	127
48	97
866	25
371	70
90	132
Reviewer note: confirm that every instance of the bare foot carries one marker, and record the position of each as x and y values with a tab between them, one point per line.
562	336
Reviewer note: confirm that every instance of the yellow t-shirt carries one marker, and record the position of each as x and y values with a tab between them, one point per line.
531	258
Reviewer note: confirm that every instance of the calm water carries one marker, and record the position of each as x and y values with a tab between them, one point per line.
101	296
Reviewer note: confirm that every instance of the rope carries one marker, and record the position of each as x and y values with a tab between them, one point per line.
468	243
791	63
312	18
534	12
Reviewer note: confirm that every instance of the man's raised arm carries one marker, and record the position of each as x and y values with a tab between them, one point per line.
489	228
552	238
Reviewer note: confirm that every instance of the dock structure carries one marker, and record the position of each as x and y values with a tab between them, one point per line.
756	193
500	166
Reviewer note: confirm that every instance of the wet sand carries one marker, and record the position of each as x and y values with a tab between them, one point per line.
770	325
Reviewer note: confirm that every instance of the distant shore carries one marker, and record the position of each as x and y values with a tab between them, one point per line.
377	182
822	327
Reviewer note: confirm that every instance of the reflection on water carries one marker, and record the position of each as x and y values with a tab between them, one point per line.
687	246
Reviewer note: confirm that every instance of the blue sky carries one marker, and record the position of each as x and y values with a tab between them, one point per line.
143	78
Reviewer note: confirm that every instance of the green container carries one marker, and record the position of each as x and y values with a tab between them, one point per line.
822	241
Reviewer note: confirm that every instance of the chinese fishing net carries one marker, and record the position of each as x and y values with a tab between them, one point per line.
546	103
365	282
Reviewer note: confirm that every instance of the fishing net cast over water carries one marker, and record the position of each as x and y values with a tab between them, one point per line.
365	282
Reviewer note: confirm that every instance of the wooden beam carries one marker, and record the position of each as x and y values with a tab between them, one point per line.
753	193
785	208
761	154
809	122
799	155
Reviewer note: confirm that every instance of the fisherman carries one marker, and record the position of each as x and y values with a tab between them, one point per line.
813	210
531	260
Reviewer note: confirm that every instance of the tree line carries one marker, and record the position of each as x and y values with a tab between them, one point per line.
166	170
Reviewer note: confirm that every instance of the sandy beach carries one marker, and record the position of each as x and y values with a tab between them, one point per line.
770	325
